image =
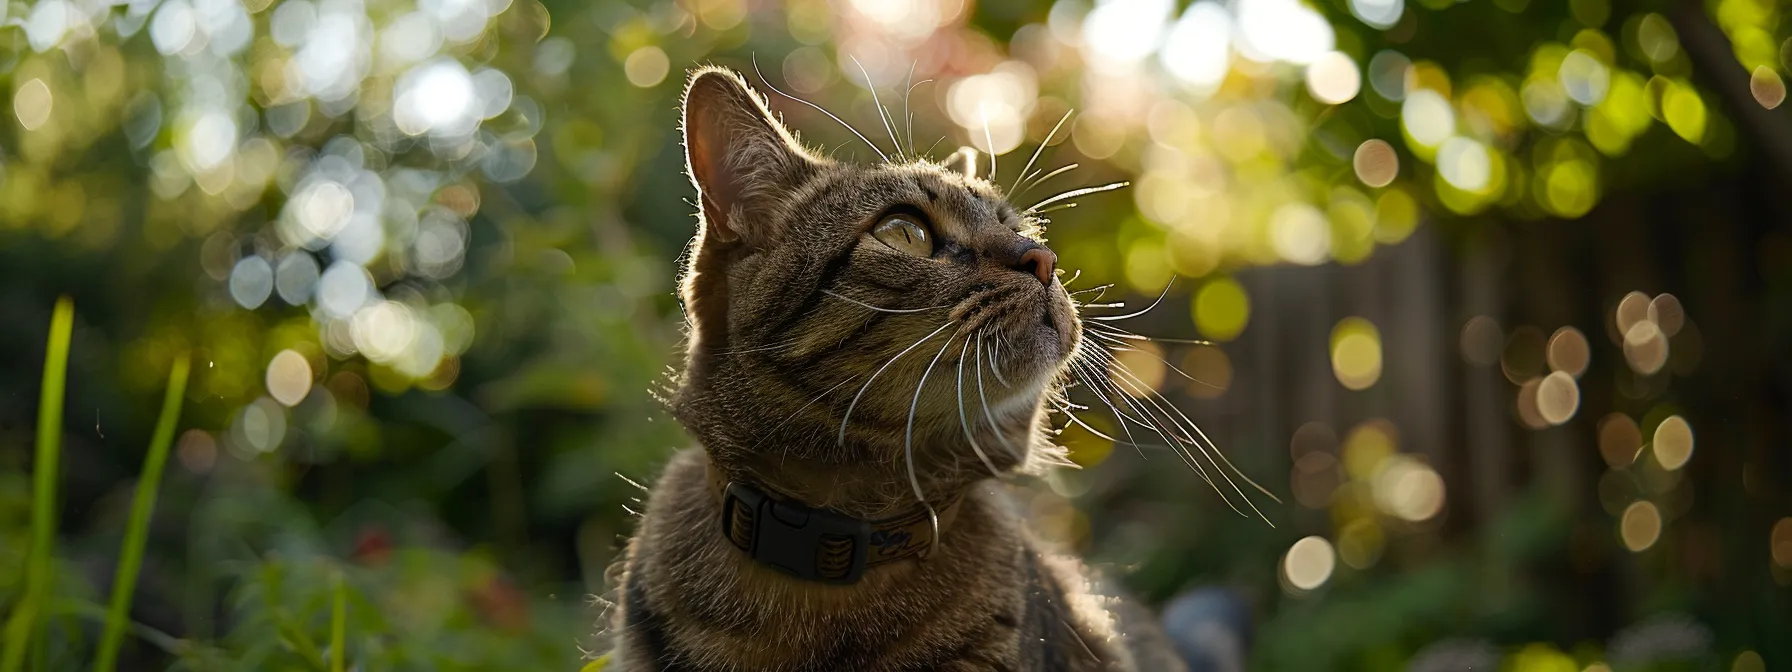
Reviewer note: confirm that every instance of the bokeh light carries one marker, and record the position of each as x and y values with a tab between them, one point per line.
1334	79
1528	405
1640	526
1198	50
1667	313
1767	86
1221	309
1378	13
197	451
1301	234
1138	369
1366	447
1308	563
1779	541
1569	352
289	378
1408	489
1427	119
1361	543
1645	347
1481	341
1619	440
1375	163
1523	357
1210	369
993	107
32	103
1558	397
1672	443
1119	33
1632	309
1317	473
1356	353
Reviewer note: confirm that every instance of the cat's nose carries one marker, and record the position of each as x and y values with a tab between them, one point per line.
1039	262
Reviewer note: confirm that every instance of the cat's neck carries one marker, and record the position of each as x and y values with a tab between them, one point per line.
683	563
866	490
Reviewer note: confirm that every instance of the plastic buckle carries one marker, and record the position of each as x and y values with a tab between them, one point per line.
790	536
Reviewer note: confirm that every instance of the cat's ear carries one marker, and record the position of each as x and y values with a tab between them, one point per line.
963	162
741	159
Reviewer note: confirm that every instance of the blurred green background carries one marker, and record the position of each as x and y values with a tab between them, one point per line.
1499	295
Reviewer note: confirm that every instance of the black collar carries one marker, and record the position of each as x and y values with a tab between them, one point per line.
819	544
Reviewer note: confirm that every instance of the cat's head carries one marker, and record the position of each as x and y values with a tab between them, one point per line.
843	314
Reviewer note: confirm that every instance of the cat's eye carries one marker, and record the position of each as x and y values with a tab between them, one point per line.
905	234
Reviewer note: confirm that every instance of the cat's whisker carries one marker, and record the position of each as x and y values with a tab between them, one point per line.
1097	288
1040	149
1055	208
908	87
1210	451
1116	304
909	93
762	348
965	423
1025	177
1096	381
1073	277
908	435
984	399
988	141
630	481
844	418
1085	370
935	145
849	299
818	108
1120	346
1122	333
1031	183
1160	424
1079	422
1160	299
1078	368
882	114
799	411
1073	194
995	361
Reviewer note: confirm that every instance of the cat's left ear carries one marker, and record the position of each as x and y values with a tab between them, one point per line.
742	161
963	162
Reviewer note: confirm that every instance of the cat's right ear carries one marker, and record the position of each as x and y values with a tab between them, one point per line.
742	161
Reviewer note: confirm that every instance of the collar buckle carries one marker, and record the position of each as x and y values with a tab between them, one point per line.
800	540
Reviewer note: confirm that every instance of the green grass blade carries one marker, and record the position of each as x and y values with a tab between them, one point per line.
338	625
21	626
130	558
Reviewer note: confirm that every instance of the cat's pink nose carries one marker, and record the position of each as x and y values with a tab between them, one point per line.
1040	262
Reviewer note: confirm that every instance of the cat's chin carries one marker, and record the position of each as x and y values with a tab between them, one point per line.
1036	351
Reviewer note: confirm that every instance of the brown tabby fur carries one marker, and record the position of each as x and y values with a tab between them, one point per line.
772	365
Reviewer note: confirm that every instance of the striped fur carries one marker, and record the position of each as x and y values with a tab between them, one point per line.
783	287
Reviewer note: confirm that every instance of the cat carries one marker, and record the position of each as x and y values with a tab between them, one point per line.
870	348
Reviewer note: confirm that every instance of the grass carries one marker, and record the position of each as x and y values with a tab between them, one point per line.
124	583
22	627
338	624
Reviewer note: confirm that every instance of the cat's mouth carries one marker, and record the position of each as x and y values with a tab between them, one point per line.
1027	332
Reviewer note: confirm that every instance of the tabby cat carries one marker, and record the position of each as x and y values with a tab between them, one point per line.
870	347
